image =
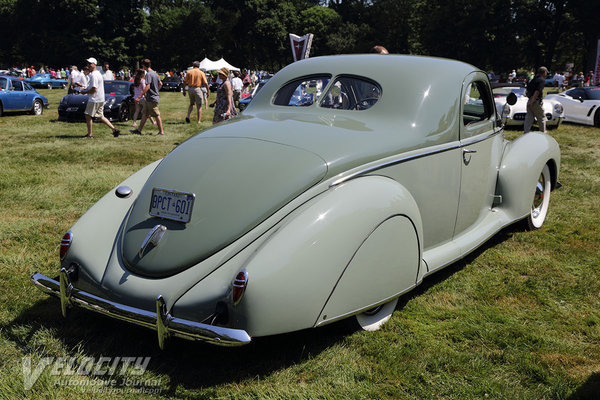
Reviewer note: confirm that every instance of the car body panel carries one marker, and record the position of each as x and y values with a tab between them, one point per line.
582	105
243	200
328	212
17	95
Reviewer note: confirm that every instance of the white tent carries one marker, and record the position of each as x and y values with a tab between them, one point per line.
210	65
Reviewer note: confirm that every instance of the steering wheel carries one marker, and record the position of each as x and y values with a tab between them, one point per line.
367	102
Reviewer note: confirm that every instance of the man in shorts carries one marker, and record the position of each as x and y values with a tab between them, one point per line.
95	105
151	92
195	81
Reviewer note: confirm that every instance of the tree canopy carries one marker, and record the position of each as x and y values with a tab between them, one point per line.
494	35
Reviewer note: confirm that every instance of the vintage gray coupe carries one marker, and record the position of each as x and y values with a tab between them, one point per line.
340	188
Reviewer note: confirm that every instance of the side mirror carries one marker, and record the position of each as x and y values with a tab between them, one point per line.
580	99
511	99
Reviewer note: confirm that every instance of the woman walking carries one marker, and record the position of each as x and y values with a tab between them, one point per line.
224	108
138	85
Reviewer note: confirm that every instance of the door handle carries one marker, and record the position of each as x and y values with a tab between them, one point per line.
467	159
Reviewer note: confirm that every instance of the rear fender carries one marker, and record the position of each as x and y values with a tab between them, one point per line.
293	274
522	163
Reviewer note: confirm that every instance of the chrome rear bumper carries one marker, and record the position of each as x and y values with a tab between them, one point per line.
164	323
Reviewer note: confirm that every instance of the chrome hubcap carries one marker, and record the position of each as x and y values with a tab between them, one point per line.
538	198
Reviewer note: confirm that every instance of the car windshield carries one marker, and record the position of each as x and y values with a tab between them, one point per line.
505	91
171	79
114	88
594	93
40	76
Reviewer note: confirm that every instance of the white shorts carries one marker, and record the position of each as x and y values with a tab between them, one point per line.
95	110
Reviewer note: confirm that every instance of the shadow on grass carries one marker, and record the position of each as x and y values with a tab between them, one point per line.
193	365
590	390
446	272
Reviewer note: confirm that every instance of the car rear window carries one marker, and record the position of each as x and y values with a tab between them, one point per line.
351	93
302	92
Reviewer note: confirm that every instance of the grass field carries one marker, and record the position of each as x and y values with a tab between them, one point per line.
517	319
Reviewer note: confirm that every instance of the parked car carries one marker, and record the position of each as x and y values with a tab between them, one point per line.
245	100
18	95
172	84
46	81
582	104
292	217
514	115
119	101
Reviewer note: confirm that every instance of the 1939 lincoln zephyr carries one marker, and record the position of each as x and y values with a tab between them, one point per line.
341	187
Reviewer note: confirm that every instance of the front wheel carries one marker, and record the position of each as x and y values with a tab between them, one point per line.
541	200
49	86
123	112
37	108
373	319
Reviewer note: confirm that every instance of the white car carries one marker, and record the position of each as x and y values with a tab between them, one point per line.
515	115
582	104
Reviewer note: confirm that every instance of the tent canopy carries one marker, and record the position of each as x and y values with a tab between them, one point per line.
210	65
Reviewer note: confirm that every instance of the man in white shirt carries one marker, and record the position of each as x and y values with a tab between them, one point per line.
76	80
107	74
236	86
95	105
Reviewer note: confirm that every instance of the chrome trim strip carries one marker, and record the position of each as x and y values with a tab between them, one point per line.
394	162
413	157
186	329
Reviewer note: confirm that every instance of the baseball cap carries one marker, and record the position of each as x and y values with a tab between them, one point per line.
92	60
542	69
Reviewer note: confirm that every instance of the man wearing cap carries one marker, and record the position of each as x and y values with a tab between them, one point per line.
535	109
95	105
195	80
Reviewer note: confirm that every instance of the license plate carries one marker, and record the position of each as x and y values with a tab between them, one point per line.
173	205
72	109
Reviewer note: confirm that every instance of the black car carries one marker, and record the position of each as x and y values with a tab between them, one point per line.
118	96
172	84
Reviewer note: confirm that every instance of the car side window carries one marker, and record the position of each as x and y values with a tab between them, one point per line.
18	85
302	92
3	84
475	104
27	86
351	93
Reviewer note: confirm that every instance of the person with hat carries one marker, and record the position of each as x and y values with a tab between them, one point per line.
95	105
224	108
535	108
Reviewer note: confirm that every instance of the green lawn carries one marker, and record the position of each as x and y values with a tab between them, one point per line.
518	319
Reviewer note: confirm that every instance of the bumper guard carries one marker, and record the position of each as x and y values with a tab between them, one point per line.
164	323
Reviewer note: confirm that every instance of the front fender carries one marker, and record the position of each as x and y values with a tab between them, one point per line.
522	163
294	272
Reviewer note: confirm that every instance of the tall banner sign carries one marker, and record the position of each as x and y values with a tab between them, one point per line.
597	69
301	45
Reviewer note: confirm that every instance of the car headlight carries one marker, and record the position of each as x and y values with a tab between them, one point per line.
110	102
558	108
505	111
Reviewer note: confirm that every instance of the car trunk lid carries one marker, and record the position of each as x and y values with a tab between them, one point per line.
237	184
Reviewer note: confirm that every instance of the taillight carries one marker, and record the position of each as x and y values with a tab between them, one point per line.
65	243
239	286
